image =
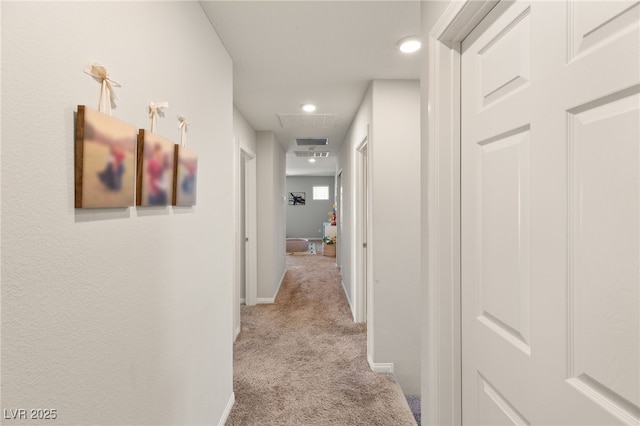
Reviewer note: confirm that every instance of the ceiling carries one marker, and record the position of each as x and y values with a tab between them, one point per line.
286	53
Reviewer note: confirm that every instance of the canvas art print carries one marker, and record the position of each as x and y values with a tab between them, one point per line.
155	170
297	198
105	152
185	177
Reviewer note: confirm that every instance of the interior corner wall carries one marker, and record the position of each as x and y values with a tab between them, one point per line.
271	172
346	162
243	132
114	316
391	112
306	221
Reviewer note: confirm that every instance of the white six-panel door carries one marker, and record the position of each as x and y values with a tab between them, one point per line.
550	222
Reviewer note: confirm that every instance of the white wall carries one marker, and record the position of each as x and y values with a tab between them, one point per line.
114	316
392	110
243	132
305	221
271	215
395	221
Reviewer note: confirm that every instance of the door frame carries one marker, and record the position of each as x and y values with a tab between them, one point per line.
363	311
251	221
337	200
251	262
442	393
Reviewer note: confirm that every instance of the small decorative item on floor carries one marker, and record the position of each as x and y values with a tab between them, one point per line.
329	246
312	248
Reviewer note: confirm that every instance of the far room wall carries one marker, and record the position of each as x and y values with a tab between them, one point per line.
306	221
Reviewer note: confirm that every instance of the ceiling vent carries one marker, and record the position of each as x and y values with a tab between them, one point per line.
312	142
307	121
314	154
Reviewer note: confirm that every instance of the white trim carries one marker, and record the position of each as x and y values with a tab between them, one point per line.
242	300
361	287
237	220
442	399
348	300
337	182
251	260
269	300
380	367
236	333
227	409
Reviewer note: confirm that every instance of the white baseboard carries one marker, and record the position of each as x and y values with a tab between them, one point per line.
243	300
380	367
268	300
280	283
353	313
227	409
236	333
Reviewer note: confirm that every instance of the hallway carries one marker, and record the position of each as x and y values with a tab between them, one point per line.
302	360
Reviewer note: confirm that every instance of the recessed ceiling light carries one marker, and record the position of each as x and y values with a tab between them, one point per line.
308	107
312	160
410	44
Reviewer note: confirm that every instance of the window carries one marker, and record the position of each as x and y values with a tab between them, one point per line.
320	192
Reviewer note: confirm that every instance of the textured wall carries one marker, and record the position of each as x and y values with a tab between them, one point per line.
119	316
306	221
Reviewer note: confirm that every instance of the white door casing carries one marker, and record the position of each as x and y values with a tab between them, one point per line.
362	231
250	221
550	214
244	205
338	203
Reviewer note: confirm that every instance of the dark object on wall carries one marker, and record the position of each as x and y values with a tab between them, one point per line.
156	158
185	176
105	160
297	198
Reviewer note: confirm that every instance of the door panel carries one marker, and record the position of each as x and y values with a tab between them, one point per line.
494	409
503	240
596	24
504	60
550	214
604	227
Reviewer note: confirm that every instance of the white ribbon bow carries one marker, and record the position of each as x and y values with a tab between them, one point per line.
107	94
182	125
155	109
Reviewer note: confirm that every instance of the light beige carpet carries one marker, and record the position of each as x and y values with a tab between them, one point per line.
302	361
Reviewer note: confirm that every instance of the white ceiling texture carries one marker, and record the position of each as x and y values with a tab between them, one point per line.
287	53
